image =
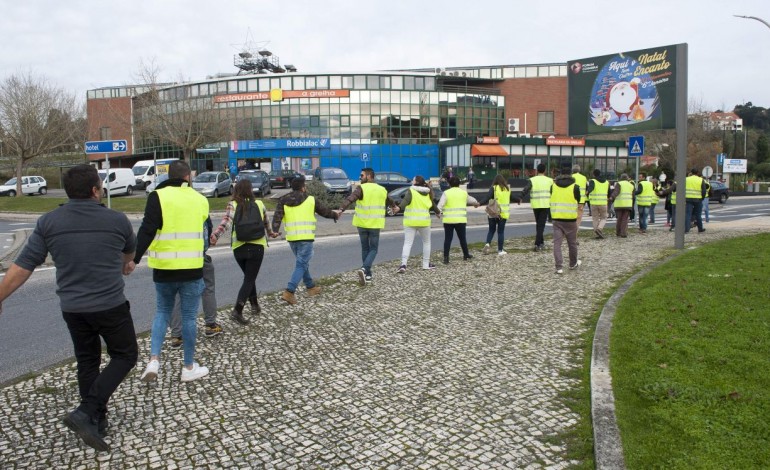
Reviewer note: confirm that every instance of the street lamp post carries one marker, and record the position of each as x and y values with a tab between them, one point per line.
754	18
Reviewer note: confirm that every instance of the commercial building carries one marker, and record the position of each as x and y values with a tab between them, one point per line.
494	118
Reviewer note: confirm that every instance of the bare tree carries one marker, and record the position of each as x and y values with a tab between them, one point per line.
36	118
169	113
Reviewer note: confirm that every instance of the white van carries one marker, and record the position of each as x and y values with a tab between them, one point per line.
145	170
121	181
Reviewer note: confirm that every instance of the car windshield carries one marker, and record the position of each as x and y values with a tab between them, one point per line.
10	182
102	175
334	174
139	170
206	178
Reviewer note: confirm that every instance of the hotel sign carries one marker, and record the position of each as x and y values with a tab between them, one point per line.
278	94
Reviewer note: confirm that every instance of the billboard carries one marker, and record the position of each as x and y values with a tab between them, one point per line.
735	165
624	92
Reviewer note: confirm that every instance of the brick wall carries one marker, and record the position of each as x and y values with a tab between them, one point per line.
530	95
113	113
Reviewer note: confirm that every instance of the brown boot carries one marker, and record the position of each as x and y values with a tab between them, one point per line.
313	291
255	308
289	297
237	314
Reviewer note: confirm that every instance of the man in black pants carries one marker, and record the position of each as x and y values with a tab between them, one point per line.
91	247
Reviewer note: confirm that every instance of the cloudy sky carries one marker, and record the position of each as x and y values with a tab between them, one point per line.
83	44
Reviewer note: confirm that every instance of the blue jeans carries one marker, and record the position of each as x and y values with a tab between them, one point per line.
693	208
370	241
705	205
643	211
189	299
499	226
303	251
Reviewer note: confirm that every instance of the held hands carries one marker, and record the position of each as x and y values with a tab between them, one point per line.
275	234
128	268
395	209
213	240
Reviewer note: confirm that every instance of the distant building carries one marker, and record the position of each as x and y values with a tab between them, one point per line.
722	122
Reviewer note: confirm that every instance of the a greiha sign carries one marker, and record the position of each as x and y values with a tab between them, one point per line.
624	92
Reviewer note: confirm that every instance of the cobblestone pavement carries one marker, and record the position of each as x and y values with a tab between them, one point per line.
460	367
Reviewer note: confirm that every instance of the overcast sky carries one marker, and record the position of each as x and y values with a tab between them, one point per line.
82	44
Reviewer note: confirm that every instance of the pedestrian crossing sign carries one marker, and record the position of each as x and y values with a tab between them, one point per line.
636	146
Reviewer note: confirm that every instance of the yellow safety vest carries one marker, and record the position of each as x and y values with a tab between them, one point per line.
581	181
645	197
417	213
504	199
563	203
179	243
259	241
598	196
455	210
693	187
300	221
625	197
540	194
370	211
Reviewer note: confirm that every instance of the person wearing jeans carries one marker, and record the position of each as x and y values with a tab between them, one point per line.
172	235
299	209
502	194
371	201
90	265
645	193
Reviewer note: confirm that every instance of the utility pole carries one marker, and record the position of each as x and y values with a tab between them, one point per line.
754	18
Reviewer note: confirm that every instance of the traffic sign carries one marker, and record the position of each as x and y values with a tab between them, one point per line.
707	171
106	146
721	158
636	146
364	157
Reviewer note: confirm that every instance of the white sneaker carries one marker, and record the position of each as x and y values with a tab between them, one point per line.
576	265
188	375
150	374
559	271
502	252
486	249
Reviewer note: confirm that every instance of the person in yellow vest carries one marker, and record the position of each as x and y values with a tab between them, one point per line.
598	191
696	189
500	192
539	190
298	208
248	253
453	206
644	193
371	203
416	206
656	188
565	195
172	234
623	199
670	194
582	183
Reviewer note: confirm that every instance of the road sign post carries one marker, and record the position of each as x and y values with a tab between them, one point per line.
106	147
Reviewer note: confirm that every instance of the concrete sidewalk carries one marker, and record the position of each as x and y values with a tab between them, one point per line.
460	367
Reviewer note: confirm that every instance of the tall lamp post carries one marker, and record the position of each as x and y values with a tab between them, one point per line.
754	18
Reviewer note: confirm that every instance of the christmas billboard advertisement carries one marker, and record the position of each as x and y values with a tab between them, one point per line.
624	92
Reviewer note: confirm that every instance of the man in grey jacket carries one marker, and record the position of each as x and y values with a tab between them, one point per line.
90	288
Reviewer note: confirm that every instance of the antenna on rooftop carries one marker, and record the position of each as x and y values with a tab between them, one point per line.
255	58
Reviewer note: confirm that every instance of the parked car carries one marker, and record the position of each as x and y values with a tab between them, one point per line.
308	174
719	192
391	180
29	185
260	181
282	178
397	195
335	179
213	183
151	186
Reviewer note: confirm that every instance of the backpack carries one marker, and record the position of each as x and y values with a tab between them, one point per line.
493	209
248	226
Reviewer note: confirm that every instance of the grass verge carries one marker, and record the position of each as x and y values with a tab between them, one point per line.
690	360
37	204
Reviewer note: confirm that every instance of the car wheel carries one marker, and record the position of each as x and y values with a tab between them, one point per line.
11	193
216	194
129	191
43	190
722	198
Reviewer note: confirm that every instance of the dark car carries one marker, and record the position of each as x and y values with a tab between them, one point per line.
719	192
397	195
282	178
260	181
334	179
391	180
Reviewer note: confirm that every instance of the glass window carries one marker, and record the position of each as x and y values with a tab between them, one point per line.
275	83
347	83
531	72
286	83
385	83
408	83
232	86
310	83
329	83
397	82
252	84
315	121
284	122
430	83
419	83
345	121
264	84
242	86
545	121
299	83
359	82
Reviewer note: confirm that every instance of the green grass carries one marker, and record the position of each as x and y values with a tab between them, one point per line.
690	360
37	204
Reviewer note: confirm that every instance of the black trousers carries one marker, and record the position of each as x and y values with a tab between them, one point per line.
449	230
541	216
86	329
249	258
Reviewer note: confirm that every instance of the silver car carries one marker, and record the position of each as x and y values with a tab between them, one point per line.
213	183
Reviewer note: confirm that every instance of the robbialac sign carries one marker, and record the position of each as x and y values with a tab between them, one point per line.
269	144
624	92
